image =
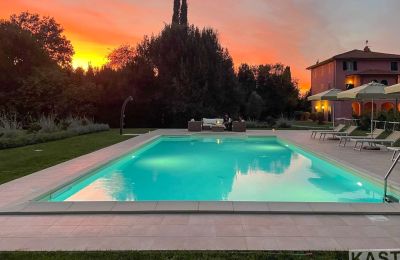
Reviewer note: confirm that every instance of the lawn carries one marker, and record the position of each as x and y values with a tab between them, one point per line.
311	125
295	125
176	255
21	161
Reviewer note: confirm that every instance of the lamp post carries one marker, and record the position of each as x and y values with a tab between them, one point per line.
121	128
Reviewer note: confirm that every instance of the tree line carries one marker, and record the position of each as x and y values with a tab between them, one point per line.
181	73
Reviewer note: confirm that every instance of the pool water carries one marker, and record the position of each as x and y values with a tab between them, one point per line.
216	168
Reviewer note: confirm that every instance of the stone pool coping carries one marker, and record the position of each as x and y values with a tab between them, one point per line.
190	207
25	204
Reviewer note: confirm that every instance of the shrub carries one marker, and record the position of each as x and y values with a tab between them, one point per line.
365	122
283	123
9	126
41	137
320	118
271	121
46	129
64	125
33	128
72	122
256	124
255	105
48	124
85	121
306	116
298	115
313	117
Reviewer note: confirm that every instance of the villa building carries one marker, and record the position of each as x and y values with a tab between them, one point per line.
352	69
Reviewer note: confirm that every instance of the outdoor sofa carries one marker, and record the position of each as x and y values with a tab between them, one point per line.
209	123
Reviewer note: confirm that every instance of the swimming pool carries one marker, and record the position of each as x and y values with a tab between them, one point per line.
220	168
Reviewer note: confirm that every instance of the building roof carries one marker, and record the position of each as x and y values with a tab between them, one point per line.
365	54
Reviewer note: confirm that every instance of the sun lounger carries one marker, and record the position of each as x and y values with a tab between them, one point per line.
375	134
338	128
347	132
390	140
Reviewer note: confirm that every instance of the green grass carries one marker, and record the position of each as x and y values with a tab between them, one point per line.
311	125
176	255
21	161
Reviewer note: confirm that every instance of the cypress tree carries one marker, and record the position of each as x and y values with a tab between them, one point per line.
175	16
184	13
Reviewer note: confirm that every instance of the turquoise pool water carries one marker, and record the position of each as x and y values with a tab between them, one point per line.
212	168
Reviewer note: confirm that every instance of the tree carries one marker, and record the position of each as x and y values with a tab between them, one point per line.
255	106
195	78
121	56
184	13
176	14
20	58
49	35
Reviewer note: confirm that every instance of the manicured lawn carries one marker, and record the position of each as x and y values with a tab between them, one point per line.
176	255
295	125
311	125
21	161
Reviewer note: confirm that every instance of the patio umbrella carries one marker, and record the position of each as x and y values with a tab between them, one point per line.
371	91
391	90
395	89
329	95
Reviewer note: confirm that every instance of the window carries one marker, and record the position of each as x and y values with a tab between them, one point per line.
350	65
394	66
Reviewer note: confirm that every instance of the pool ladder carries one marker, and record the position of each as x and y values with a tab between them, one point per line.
388	198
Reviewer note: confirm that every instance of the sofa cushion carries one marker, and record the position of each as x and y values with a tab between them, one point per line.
212	121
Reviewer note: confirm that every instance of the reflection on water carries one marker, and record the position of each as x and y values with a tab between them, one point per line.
215	169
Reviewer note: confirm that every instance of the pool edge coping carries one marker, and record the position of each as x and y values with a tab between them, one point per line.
201	207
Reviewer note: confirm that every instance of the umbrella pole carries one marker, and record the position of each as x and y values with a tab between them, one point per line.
333	114
372	117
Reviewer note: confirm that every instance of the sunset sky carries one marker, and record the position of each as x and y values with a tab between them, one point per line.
293	32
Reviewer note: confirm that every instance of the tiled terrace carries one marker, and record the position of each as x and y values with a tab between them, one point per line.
197	232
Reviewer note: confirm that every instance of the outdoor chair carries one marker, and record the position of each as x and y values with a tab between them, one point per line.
238	126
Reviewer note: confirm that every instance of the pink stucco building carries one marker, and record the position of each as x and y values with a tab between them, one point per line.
352	69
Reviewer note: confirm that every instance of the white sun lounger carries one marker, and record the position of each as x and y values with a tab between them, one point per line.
347	132
375	134
390	140
338	128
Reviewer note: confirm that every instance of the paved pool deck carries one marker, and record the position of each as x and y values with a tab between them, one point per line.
27	225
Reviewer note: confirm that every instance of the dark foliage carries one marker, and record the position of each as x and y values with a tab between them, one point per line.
176	14
49	35
179	74
184	13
